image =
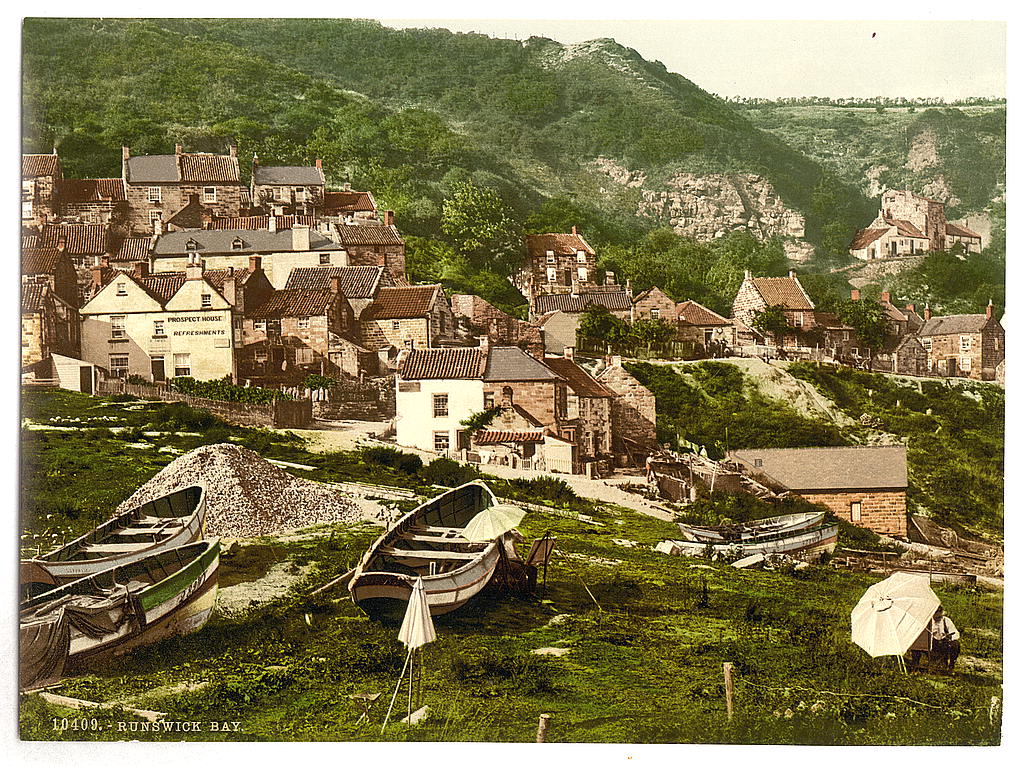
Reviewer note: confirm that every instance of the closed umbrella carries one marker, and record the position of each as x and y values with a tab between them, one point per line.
493	522
892	614
417	630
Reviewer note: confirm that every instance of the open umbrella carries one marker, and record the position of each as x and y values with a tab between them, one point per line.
892	613
493	522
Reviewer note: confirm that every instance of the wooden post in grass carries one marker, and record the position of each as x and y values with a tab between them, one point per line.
727	669
542	727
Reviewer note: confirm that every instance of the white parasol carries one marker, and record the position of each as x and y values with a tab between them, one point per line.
892	613
417	627
493	522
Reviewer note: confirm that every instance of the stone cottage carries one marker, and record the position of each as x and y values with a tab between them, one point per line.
756	294
653	304
287	188
407	317
963	345
634	414
41	175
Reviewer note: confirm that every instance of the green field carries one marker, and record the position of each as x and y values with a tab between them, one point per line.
646	633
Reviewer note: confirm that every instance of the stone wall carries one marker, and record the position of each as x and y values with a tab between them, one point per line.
90	212
539	398
379	333
502	329
173	197
633	410
987	350
882	511
657	300
391	257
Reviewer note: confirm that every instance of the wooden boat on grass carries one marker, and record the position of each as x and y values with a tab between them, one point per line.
170	521
110	612
804	542
790	523
428	542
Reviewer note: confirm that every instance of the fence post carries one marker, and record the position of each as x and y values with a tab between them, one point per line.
542	727
727	670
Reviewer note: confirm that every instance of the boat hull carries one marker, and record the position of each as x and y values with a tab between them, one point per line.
819	540
776	525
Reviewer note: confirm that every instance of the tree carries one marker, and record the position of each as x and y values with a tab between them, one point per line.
772	321
867	318
648	331
482	228
598	323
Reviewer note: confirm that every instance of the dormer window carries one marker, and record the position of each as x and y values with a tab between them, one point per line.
237	244
581	256
191	245
209	194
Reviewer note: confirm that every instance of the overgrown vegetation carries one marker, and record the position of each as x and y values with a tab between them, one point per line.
226	391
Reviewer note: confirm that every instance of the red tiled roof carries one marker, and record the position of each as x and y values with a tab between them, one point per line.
349	202
691	312
578	378
216	277
905	228
80	238
29	240
561	244
959	230
443	364
91	189
865	237
133	249
294	303
253	222
500	437
403	302
36	165
368	234
208	168
161	287
353	281
782	291
39	260
32	297
891	312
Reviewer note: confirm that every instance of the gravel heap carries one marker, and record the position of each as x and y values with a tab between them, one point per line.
246	496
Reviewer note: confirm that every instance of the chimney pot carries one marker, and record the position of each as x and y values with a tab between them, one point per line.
886	297
990	309
255	263
927	312
389	217
319	164
854	295
177	148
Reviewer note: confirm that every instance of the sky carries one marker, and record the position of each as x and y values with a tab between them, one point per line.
774	59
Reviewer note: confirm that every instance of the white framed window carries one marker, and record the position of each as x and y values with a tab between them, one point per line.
300	193
798	319
442	441
325	259
209	194
303	356
191	245
206	300
237	243
158	328
154	216
153	194
117	327
182	365
440	405
303	323
550	256
279	193
846	334
927	343
965	363
395	325
122	289
855	511
655	313
119	365
581	256
965	342
552	274
581	272
488	400
260	325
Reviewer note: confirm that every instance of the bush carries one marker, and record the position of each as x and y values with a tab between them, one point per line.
543	488
136	380
446	472
391	457
319	381
226	391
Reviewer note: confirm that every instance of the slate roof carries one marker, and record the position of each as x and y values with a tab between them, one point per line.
865	237
254	222
512	363
91	190
220	241
959	230
80	238
183	168
290	175
500	437
954	324
132	249
39	260
354	281
832	468
369	234
891	312
782	291
403	302
561	244
616	300
691	312
32	294
349	202
37	165
905	228
443	364
578	379
294	303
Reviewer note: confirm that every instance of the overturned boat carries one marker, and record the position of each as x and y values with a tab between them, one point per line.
110	612
430	542
170	521
775	525
804	542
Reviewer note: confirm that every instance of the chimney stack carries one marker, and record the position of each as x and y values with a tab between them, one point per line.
927	312
233	150
346	186
158	227
484	341
97	275
177	148
336	285
574	230
912	308
609	277
747	274
142	269
272	223
990	309
629	288
615	361
255	263
886	297
62	244
389	217
194	269
568	352
792	274
125	152
855	295
319	164
228	290
300	237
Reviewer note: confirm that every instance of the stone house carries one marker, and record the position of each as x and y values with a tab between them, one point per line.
49	324
513	377
407	317
557	263
172	324
866	486
41	175
82	242
889	238
619	302
287	188
634	433
502	329
93	200
836	338
902	356
263	222
359	284
51	266
297	332
653	304
759	293
959	234
963	345
373	244
909	224
350	207
700	325
588	415
158	186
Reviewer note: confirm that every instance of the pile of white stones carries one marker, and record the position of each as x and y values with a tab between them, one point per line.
246	496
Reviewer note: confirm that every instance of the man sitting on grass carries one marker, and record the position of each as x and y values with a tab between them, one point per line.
945	640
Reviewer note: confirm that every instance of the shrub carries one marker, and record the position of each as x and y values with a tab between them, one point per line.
446	472
226	391
319	381
543	488
124	398
394	458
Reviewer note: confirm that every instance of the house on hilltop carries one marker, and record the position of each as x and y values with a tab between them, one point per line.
291	189
702	326
963	345
909	224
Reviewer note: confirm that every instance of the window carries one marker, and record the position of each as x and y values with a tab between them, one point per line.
407	343
552	274
158	328
122	289
154	216
325	259
441	441
965	363
153	194
182	365
581	273
260	326
927	343
506	396
119	365
303	323
846	334
551	256
489	400
303	356
261	357
191	245
655	313
279	193
300	193
965	342
855	511
209	194
206	300
758	462
237	243
117	327
798	320
395	325
440	405
581	256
